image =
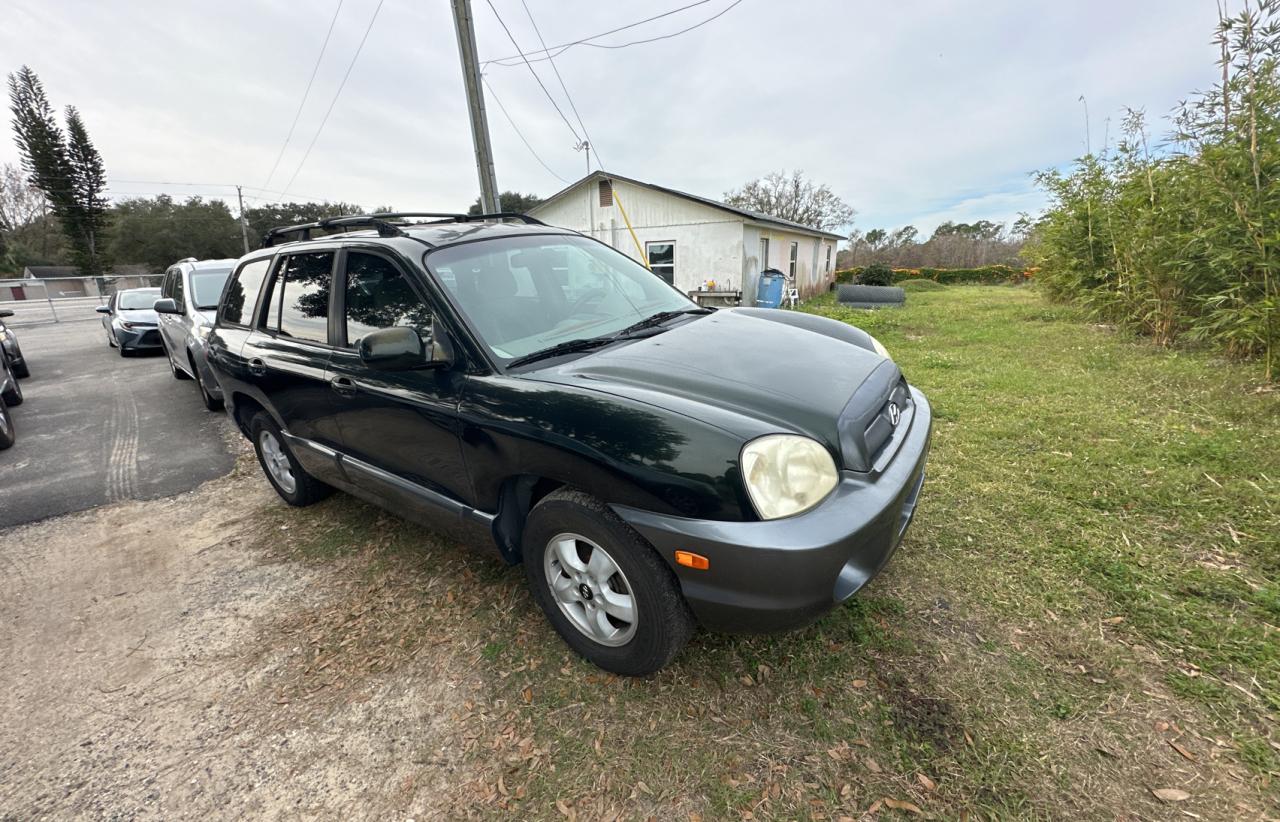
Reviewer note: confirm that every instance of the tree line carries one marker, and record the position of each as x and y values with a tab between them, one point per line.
952	245
1179	239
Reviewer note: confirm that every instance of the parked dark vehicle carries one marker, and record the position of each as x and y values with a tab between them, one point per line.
186	309
10	394
653	464
130	320
9	342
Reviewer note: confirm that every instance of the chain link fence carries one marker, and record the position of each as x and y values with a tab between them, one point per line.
64	299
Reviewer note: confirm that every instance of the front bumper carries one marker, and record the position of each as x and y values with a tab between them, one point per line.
780	574
139	338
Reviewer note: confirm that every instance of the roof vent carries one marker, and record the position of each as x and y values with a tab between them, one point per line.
606	193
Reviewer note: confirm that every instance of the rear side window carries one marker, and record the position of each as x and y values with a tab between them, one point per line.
242	293
379	296
177	289
304	301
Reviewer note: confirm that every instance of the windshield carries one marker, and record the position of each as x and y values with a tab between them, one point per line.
524	294
140	298
206	287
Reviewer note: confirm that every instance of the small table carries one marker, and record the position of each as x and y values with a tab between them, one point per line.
716	298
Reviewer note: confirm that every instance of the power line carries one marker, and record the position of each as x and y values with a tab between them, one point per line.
305	95
114	181
715	16
563	47
534	73
336	94
516	129
587	142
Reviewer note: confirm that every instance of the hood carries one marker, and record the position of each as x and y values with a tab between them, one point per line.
138	315
768	370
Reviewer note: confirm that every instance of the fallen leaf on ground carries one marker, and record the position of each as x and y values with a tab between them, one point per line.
859	683
902	805
926	783
873	765
1171	794
1185	753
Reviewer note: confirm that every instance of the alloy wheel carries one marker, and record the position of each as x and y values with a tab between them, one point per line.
590	589
276	462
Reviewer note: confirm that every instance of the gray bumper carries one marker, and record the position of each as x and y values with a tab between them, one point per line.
779	574
136	339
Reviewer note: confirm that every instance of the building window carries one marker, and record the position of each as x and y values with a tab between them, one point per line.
662	260
828	259
606	193
764	253
795	255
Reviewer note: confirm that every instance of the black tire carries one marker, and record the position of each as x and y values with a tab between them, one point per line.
663	621
21	370
12	397
124	352
7	435
211	402
307	489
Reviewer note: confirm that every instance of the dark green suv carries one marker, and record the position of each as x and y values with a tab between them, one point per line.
654	465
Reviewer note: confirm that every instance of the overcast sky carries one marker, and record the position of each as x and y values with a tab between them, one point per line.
913	112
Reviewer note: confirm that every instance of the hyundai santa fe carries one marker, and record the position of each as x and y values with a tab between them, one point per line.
654	465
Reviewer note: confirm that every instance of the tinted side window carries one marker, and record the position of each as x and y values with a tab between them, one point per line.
166	287
304	303
379	296
242	293
177	289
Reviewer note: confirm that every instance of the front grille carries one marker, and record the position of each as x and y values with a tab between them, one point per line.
879	433
150	338
866	430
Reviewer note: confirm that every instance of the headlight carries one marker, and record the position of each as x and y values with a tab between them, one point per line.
203	332
880	349
786	474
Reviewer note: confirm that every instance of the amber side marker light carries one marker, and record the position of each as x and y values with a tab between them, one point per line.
691	560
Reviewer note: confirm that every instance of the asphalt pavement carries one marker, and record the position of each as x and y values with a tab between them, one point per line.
98	428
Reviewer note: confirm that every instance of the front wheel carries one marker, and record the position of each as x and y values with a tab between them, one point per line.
294	485
211	403
12	397
21	370
603	588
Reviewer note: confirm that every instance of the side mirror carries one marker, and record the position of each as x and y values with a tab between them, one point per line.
102	309
401	349
4	312
166	305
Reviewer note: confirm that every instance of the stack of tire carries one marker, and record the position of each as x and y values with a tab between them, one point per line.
870	296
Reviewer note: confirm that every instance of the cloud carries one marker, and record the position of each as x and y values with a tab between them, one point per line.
914	113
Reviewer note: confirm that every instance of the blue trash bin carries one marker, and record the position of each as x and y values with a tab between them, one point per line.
769	289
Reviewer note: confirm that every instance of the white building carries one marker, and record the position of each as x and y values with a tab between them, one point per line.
689	240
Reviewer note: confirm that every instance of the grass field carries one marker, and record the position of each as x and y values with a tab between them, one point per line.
1081	623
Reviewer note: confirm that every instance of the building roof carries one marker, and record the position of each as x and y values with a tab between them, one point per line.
746	213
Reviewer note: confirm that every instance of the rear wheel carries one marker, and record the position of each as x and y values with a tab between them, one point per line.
604	589
294	485
7	435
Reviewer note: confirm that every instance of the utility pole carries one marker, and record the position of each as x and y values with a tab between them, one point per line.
462	20
244	227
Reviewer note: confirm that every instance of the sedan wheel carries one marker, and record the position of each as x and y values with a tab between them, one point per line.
590	589
12	396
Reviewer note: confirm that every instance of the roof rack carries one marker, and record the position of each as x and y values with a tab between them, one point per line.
382	221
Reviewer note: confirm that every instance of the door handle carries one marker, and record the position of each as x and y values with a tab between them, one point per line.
343	386
257	366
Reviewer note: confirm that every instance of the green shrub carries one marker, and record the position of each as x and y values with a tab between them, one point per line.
875	274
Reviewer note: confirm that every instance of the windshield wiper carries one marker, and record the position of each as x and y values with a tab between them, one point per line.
566	347
658	319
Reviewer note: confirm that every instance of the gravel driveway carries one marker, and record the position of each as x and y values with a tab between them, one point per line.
147	675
